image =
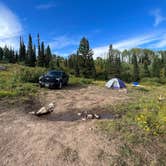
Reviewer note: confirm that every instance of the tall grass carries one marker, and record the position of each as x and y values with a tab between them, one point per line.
19	81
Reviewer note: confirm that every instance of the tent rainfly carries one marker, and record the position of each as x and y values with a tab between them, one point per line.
115	83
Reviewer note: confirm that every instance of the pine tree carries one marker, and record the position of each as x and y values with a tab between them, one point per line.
117	67
52	64
43	54
163	57
48	56
22	50
16	56
1	53
86	63
113	63
33	57
156	67
135	68
11	58
76	65
30	54
6	53
146	72
41	58
57	62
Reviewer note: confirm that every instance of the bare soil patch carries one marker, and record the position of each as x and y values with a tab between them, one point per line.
60	138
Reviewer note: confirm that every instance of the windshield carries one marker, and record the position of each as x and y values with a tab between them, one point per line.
54	73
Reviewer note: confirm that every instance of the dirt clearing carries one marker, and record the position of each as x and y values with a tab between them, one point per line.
60	138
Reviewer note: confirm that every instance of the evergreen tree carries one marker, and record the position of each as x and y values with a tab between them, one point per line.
71	61
117	67
16	56
11	57
30	54
163	57
113	63
146	72
146	62
1	53
85	59
43	54
135	68
22	50
65	62
33	57
156	67
6	54
41	57
57	62
48	56
76	65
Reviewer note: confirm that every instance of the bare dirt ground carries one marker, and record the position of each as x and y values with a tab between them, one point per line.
61	138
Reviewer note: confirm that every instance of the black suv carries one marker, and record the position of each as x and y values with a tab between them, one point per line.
54	79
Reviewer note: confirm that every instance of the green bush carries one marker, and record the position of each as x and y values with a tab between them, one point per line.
79	80
153	81
27	74
86	81
4	93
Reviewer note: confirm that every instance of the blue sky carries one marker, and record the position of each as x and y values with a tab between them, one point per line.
62	23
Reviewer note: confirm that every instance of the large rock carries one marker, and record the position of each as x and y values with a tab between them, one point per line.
50	107
44	110
89	116
96	116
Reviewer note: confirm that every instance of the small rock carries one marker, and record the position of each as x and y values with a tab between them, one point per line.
83	119
32	113
79	114
96	116
90	116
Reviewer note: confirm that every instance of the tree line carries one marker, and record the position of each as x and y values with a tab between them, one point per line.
129	65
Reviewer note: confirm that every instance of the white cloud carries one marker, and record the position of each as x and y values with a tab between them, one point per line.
156	39
10	27
45	6
160	44
62	42
159	18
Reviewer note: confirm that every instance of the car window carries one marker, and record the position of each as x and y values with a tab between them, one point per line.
54	73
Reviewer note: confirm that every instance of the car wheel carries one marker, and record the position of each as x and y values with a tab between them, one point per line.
60	85
41	86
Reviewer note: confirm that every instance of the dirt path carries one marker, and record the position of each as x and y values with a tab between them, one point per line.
60	138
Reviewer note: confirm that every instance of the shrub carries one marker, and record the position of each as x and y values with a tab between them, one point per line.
5	93
151	81
86	81
78	80
27	74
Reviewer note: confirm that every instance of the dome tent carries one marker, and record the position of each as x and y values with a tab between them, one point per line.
115	83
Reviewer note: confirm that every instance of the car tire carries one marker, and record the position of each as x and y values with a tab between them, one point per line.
41	86
60	85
